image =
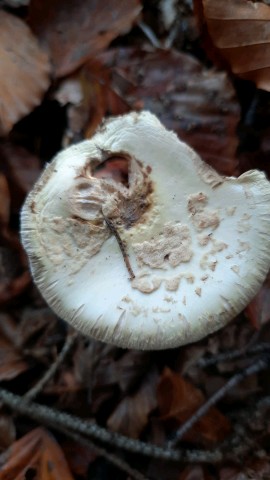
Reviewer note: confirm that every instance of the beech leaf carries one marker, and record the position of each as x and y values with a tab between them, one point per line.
24	71
179	399
198	104
74	31
37	451
240	30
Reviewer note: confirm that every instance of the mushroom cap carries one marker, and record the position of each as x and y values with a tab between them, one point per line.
161	261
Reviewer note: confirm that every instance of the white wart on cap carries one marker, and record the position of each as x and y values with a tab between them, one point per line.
155	260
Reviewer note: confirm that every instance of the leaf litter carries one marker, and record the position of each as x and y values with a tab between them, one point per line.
58	81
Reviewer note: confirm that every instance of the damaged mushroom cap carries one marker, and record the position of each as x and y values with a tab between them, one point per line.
159	260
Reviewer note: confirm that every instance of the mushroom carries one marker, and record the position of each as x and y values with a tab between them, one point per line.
137	242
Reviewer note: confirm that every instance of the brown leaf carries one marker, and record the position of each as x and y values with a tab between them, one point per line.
199	104
78	457
22	169
179	399
12	362
4	201
195	473
240	31
24	71
14	278
88	96
37	451
131	415
253	469
8	431
74	31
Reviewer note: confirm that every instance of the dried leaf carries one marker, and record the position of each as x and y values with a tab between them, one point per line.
179	399
78	457
131	415
22	170
12	362
24	71
8	431
258	469
194	473
74	31
199	104
240	31
14	278
4	201
38	451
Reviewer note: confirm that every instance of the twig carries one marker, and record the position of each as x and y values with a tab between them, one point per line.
38	387
118	462
261	364
121	244
148	32
234	355
60	420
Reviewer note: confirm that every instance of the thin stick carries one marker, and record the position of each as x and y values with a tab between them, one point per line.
121	244
261	364
234	355
60	420
49	374
118	462
148	32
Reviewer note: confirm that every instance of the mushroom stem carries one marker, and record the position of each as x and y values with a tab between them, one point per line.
121	244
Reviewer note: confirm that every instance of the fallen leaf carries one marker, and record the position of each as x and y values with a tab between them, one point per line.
198	104
14	278
12	362
89	97
4	201
38	451
178	400
240	31
78	457
195	473
131	415
253	469
74	31
24	71
8	431
22	169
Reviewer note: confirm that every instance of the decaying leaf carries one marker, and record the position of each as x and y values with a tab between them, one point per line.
199	104
240	31
74	31
8	431
4	201
179	399
12	362
131	415
24	71
37	451
22	170
78	457
14	275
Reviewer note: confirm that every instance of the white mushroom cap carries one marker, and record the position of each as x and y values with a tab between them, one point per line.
197	243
